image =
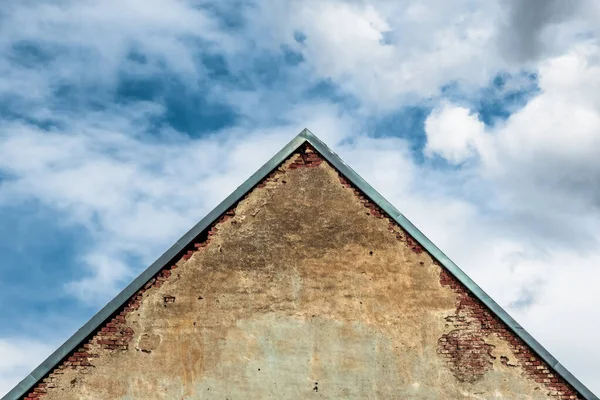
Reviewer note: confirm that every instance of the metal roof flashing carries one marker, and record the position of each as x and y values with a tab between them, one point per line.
19	391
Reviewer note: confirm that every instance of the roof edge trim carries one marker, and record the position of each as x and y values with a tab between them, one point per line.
436	253
111	307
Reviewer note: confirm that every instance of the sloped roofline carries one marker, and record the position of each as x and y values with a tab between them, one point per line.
305	136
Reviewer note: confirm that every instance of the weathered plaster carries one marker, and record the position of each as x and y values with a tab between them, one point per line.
302	293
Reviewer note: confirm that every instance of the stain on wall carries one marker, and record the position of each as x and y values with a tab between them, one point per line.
304	289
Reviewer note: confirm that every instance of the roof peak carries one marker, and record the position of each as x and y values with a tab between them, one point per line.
305	136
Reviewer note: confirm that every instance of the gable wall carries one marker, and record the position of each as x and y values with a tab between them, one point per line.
304	289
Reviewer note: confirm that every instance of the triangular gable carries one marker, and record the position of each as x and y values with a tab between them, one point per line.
454	278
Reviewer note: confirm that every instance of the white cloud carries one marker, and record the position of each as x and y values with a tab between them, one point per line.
19	357
521	216
85	44
453	133
135	196
546	151
388	54
540	169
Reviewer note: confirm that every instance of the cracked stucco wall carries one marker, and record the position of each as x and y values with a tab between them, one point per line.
303	290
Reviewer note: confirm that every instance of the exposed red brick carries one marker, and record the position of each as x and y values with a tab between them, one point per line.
169	299
466	352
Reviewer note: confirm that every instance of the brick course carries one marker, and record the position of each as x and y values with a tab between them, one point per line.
466	351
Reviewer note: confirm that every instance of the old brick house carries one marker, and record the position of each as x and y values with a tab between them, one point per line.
303	283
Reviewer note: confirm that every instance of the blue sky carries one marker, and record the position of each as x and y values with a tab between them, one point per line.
122	123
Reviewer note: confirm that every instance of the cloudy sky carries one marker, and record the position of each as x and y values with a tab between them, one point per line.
123	122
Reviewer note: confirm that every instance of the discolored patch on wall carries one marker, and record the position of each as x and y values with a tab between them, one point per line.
148	342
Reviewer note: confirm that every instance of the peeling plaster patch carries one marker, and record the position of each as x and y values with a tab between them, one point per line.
148	342
169	299
501	352
468	354
473	318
